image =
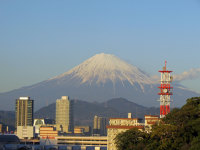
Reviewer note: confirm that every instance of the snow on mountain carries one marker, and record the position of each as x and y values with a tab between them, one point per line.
99	78
104	67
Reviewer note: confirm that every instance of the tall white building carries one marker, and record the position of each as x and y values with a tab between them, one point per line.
64	115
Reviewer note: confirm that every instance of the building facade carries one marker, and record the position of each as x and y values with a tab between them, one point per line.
83	140
24	111
118	125
82	130
99	126
64	115
41	122
1	128
48	131
150	120
25	132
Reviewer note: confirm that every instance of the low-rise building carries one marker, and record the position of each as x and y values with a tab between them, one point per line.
150	120
82	130
25	132
118	125
78	131
48	132
70	141
41	122
83	140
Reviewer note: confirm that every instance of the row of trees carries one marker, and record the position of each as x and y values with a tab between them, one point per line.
179	130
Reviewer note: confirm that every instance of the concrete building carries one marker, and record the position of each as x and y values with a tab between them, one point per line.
1	128
24	111
118	125
99	127
48	132
150	120
64	115
79	131
82	130
41	122
24	117
100	141
25	132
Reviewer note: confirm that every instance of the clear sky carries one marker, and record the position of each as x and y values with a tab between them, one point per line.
42	39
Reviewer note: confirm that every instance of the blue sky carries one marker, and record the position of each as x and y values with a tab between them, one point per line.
42	39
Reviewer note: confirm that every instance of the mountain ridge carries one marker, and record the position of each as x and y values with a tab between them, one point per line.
84	111
99	78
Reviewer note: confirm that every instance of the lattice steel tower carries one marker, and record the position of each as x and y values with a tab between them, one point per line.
165	91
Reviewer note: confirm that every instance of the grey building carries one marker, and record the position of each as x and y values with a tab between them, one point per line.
64	115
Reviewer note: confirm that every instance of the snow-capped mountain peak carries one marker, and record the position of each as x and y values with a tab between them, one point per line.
103	67
99	78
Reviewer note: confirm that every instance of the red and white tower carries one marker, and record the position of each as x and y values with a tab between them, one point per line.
165	91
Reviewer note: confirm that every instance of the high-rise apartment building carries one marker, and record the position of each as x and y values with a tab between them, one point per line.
64	115
99	127
24	111
24	117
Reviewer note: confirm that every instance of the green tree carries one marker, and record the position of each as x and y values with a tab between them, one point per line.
163	137
179	130
132	139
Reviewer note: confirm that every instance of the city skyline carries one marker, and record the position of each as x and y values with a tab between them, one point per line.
42	40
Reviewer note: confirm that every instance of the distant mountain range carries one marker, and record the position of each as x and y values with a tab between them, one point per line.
84	112
97	79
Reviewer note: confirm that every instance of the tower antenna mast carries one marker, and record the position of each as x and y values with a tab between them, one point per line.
165	91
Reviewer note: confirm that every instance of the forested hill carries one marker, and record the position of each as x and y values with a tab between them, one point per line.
179	130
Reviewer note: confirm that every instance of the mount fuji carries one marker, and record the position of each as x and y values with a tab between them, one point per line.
97	79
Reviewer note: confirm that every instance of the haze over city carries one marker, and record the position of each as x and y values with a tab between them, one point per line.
40	40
